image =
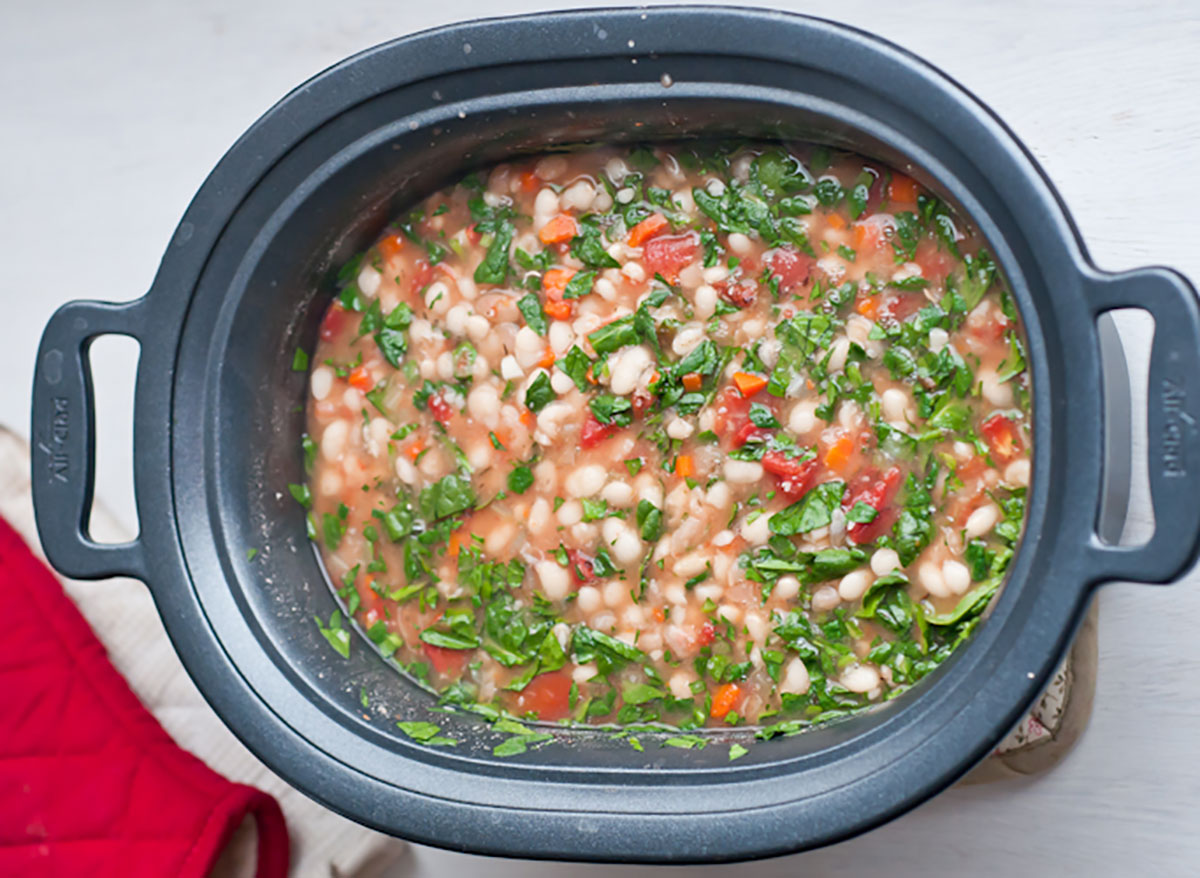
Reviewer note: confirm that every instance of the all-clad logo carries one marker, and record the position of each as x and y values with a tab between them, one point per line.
1174	406
58	462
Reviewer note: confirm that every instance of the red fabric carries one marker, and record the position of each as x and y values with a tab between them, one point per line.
90	783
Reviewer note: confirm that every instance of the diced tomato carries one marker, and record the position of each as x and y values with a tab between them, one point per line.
731	410
473	234
899	306
740	294
422	275
877	491
442	410
360	378
707	634
935	263
1002	437
668	254
529	181
581	566
793	476
554	283
446	662
791	267
593	432
749	431
725	699
547	695
333	322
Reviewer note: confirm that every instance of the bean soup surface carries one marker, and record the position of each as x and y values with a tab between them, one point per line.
670	435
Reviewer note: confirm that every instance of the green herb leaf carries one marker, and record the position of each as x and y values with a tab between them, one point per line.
813	510
531	308
520	479
579	285
540	393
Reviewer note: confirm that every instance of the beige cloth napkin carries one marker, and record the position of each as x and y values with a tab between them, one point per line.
122	614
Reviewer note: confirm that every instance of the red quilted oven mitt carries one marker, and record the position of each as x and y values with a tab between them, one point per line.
90	783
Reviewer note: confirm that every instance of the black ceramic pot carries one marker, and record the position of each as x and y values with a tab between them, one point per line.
250	270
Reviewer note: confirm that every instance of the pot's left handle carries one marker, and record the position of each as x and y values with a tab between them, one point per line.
63	440
1173	426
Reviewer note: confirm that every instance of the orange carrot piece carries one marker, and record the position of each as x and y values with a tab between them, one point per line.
414	450
748	384
547	359
530	181
839	453
454	544
526	417
903	189
560	228
867	306
692	381
835	220
647	229
389	246
685	467
554	282
558	310
725	699
360	378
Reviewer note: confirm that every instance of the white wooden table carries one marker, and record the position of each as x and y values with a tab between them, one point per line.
114	113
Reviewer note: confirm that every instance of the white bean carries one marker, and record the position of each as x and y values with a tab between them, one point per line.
739	243
929	575
618	494
860	678
680	685
331	483
456	320
626	368
938	338
570	513
803	418
981	521
615	593
708	591
854	584
586	481
589	599
510	369
551	167
997	392
730	613
894	403
578	195
539	515
705	302
478	327
679	428
529	347
498	540
884	561
583	673
483	404
787	587
627	548
688	337
1016	473
405	471
956	576
825	598
322	382
756	532
634	272
368	281
555	580
437	298
757	627
838	354
333	440
795	678
742	472
561	382
560	336
546	203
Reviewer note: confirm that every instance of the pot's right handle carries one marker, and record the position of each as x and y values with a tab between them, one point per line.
1173	426
63	439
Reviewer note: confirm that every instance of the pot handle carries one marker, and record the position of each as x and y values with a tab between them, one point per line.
63	439
1173	426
